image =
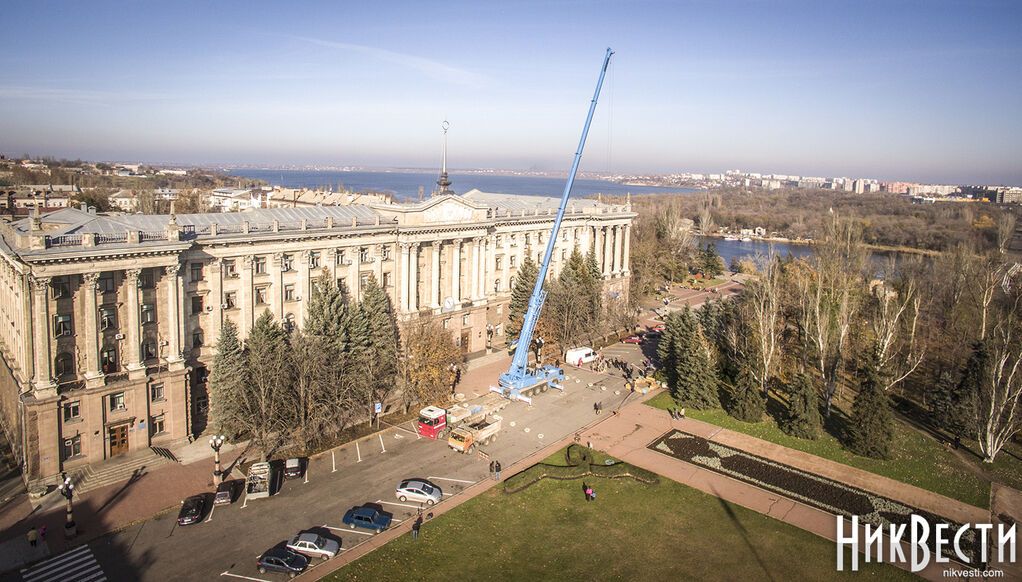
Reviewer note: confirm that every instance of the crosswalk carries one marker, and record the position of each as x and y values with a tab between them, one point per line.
78	565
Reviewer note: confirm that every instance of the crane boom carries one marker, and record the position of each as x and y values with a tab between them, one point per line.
519	378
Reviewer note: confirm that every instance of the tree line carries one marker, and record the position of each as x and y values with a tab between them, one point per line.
940	335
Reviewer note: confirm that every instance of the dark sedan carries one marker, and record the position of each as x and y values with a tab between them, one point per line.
282	560
192	510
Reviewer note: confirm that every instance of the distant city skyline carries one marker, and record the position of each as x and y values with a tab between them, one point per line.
924	92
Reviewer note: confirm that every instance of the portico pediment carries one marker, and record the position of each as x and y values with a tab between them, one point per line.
438	210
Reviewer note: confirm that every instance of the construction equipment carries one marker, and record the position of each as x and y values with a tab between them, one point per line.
520	381
435	422
466	437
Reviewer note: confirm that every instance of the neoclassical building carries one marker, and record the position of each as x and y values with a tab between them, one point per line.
109	322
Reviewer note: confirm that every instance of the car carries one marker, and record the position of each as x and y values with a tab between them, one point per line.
282	560
367	517
632	339
224	493
660	327
191	510
293	468
418	490
313	545
653	335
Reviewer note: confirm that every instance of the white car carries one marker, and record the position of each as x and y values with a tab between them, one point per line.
313	545
419	490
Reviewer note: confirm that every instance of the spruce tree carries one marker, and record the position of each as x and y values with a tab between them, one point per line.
711	261
746	401
802	417
376	341
521	290
872	423
266	406
954	401
327	306
695	380
227	380
594	290
667	348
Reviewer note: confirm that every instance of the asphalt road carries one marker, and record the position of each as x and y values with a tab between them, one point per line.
227	543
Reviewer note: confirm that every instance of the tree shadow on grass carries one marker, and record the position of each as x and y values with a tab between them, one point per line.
744	533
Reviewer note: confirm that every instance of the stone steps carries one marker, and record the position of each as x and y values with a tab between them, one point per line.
94	477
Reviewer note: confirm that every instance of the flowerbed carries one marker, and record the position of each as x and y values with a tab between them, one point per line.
813	490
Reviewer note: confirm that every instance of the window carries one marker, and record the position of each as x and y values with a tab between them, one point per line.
342	283
117	401
564	254
196	305
72	446
107	317
447	323
109	360
230	300
148	313
156	392
464	320
499	263
260	296
564	237
259	264
106	283
496	286
286	263
386	280
197	339
289	322
514	240
363	279
196	271
289	292
528	239
230	269
72	411
62	325
314	259
340	257
513	260
497	239
64	365
385	253
148	350
363	254
61	288
146	280
159	425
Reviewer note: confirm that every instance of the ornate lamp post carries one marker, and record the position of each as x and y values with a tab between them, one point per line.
67	490
215	443
489	337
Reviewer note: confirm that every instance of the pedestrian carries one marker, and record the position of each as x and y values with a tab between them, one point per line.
589	493
585	490
599	407
589	444
592	494
596	407
42	532
32	536
496	471
493	468
681	414
415	527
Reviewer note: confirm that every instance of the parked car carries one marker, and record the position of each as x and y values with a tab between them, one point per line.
313	545
660	327
419	490
652	335
293	468
282	560
191	510
224	493
367	517
632	339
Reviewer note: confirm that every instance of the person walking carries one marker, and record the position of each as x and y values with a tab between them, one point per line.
589	493
42	533
33	535
493	469
496	471
596	407
415	527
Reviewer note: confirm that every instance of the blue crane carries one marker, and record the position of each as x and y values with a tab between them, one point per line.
520	378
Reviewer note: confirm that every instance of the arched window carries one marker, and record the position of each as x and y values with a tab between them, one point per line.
496	286
64	365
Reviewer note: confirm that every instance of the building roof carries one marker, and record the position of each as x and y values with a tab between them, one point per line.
518	203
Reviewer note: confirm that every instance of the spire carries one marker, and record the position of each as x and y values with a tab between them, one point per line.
443	182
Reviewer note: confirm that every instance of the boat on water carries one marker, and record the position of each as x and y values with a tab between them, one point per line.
730	238
746	239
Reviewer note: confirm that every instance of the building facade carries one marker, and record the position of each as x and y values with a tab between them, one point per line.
109	322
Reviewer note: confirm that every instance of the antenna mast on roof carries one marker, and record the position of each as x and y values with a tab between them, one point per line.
443	182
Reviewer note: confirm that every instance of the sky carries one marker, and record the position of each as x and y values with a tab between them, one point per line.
927	90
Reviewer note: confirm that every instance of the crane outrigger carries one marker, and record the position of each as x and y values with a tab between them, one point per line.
520	380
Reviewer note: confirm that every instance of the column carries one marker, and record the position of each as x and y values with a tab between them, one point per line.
413	277
597	246
245	297
277	287
354	278
41	336
617	250
434	300
489	271
216	299
626	249
174	358
475	268
506	266
456	271
607	250
302	288
133	358
93	367
402	278
331	263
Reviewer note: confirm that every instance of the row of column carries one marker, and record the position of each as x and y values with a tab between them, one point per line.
613	254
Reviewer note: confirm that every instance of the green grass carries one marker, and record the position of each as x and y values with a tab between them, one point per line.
916	459
633	531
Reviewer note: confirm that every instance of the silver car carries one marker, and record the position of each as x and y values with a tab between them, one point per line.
313	546
419	490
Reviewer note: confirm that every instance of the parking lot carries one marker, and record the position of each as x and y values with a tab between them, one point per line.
230	538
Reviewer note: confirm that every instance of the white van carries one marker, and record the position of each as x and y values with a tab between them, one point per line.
579	356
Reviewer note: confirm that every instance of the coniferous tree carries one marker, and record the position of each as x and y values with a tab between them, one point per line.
594	289
379	356
872	426
327	307
521	290
695	378
264	406
711	262
667	348
954	402
227	380
746	402
802	417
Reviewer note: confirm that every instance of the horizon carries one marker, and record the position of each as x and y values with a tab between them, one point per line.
907	92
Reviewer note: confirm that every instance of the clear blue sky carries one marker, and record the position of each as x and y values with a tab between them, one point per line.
923	90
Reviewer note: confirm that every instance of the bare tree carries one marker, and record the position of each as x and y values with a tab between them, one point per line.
894	305
999	397
706	217
429	355
312	399
762	299
1005	231
263	409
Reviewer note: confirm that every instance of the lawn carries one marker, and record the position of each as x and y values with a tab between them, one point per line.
916	459
633	531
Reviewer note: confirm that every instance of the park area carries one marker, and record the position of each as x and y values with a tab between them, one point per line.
633	531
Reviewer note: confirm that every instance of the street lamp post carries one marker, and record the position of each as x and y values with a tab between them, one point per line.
67	490
215	443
